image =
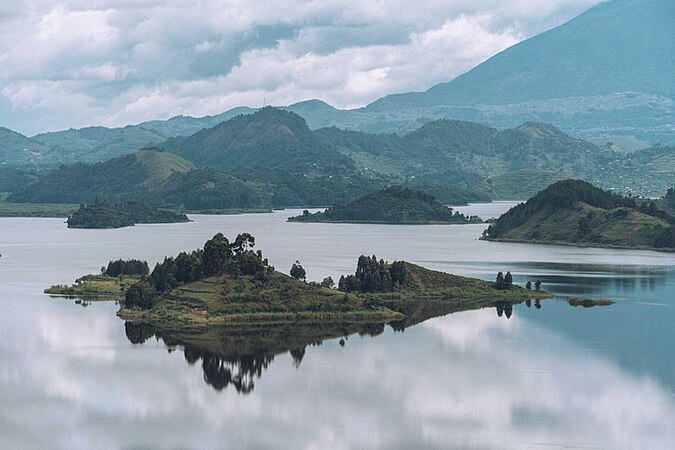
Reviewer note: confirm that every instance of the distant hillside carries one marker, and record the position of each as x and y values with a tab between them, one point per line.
395	205
524	183
118	215
17	149
157	178
576	212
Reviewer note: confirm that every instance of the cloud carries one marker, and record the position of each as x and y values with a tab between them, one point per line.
110	62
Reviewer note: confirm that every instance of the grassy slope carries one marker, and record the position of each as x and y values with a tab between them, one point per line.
95	287
612	228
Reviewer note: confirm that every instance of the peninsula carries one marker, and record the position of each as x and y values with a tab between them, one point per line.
108	215
574	212
394	205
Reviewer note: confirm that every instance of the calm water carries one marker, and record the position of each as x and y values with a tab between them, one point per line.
553	376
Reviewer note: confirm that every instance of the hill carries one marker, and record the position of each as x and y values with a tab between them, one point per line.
154	177
118	215
576	212
395	205
270	138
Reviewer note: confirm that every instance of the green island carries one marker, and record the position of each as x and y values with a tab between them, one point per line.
102	214
227	283
393	205
574	212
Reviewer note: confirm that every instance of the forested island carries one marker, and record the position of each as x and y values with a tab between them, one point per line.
117	215
228	282
393	205
576	212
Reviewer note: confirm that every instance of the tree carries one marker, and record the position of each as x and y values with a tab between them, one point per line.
243	242
328	283
216	253
499	284
528	285
537	285
140	295
297	271
508	280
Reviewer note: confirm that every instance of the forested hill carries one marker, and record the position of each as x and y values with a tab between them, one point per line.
392	205
269	138
576	212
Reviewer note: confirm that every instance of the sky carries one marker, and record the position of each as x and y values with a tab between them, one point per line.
78	63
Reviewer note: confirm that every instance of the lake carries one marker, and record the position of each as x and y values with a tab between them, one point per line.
550	375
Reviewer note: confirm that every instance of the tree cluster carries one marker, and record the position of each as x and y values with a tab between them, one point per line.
504	281
219	255
126	267
374	276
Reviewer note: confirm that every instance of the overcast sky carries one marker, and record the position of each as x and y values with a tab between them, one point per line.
114	62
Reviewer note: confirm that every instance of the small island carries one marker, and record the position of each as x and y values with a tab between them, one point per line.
102	214
394	205
575	212
228	282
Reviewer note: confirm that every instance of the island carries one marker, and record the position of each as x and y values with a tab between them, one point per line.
228	282
102	214
575	212
393	205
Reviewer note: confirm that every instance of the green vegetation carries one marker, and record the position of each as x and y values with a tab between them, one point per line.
126	267
523	183
588	302
96	287
576	212
395	205
8	209
106	215
229	282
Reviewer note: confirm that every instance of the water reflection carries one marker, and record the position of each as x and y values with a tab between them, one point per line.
237	355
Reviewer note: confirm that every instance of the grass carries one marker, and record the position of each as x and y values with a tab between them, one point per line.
60	210
95	287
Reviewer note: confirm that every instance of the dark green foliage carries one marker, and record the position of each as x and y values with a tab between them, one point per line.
328	283
528	285
140	295
537	285
217	253
107	215
127	267
499	283
562	194
297	271
218	256
666	238
508	280
374	276
392	205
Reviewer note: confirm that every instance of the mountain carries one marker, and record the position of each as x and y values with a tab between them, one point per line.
395	204
607	71
577	212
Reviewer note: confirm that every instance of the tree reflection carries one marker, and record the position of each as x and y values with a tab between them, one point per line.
237	356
